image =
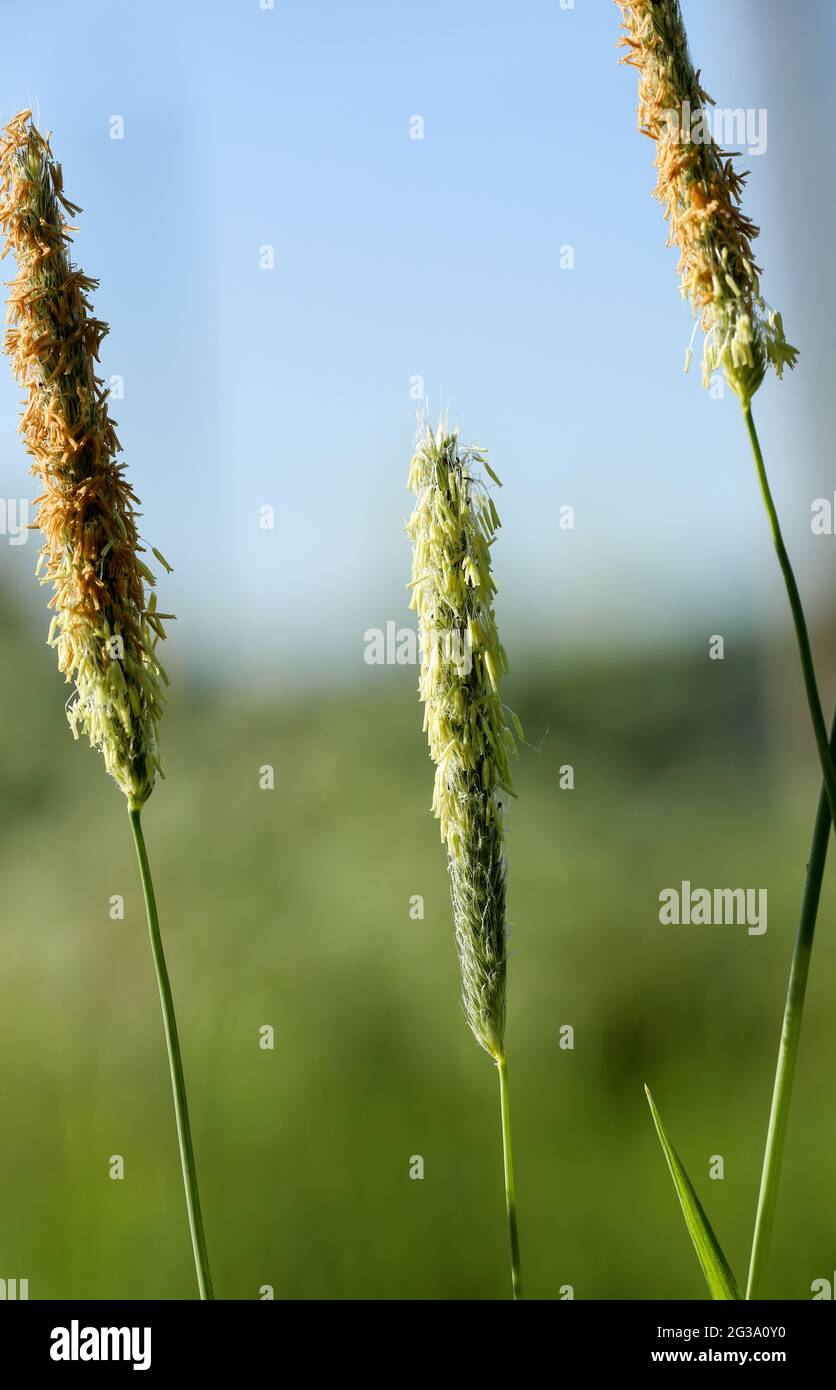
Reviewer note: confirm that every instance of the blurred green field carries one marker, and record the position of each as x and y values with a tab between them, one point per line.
291	908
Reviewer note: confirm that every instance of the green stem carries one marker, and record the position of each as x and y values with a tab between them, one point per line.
510	1189
788	1047
802	635
175	1062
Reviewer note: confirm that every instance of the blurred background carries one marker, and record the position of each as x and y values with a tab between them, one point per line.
412	273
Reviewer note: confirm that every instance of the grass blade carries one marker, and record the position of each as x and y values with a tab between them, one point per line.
715	1266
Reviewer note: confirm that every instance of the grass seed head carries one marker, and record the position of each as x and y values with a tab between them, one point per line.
452	529
700	190
104	628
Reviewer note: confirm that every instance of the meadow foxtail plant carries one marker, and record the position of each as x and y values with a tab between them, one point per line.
452	528
700	190
105	624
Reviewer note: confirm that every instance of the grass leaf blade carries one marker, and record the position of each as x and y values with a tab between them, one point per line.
715	1266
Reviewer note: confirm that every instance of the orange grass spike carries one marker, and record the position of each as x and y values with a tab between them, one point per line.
104	626
700	191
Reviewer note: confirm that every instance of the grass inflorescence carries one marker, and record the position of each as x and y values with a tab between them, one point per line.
105	627
700	189
452	528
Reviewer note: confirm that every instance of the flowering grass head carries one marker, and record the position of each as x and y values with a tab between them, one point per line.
700	190
104	627
452	529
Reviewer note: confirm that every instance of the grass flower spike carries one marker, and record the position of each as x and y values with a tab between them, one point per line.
104	629
452	529
700	191
104	625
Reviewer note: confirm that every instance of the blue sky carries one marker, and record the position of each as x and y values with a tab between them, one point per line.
440	257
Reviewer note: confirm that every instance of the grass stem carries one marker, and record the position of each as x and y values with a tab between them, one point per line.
788	1047
510	1189
802	635
178	1080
